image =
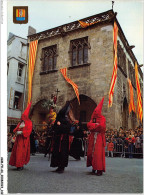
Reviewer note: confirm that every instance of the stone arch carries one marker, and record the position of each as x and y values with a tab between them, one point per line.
42	97
83	111
37	112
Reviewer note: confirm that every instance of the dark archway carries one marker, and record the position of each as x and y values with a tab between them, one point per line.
83	111
38	112
125	114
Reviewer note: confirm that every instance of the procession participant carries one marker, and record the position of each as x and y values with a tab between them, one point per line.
74	127
110	147
21	151
96	140
76	149
51	117
32	142
61	130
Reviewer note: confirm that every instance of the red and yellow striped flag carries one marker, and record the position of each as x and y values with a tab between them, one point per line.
20	12
75	87
84	24
32	58
139	99
114	74
131	103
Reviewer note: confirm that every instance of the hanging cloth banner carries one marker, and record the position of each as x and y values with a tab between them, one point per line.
85	25
131	104
32	58
139	99
114	74
75	87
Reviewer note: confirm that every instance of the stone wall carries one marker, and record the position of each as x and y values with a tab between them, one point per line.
93	80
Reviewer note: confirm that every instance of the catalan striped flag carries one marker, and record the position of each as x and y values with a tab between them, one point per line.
131	103
32	58
139	99
20	14
85	25
114	74
75	87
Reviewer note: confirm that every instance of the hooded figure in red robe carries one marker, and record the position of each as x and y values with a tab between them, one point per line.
96	141
21	150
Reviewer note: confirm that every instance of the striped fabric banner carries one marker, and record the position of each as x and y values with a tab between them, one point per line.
139	99
131	103
85	25
32	57
75	87
20	14
114	74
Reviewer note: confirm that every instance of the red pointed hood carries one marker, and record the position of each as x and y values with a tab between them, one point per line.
98	109
25	114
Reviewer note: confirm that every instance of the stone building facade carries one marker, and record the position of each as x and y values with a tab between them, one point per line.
88	55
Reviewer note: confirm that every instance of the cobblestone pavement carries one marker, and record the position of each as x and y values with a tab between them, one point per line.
122	176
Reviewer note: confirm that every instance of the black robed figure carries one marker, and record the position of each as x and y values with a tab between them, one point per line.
61	130
76	150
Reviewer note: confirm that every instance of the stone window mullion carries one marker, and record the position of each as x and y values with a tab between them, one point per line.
74	56
53	62
47	69
83	53
77	55
80	54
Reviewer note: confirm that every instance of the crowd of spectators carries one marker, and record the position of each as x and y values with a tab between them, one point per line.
40	140
118	141
125	142
39	137
10	140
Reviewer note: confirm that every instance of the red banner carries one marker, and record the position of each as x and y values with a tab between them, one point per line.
75	87
84	24
139	99
114	74
131	103
32	58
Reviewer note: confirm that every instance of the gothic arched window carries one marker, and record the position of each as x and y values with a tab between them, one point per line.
79	51
121	59
49	58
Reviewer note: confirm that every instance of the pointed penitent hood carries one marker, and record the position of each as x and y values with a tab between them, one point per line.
98	109
63	112
25	114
